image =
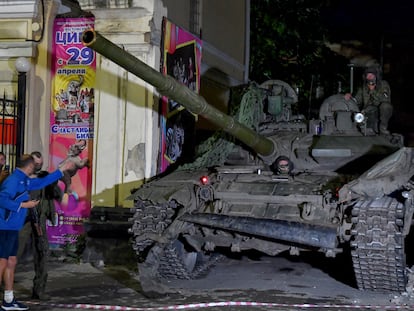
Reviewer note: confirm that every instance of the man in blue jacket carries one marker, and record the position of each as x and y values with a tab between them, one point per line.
14	202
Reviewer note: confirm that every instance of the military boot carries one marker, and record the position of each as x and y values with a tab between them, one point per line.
384	130
40	296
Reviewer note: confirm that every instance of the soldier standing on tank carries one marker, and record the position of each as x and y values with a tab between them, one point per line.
374	99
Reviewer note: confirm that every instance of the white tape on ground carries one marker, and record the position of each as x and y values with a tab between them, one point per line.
222	304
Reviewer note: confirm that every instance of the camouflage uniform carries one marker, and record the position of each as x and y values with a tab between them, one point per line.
39	215
376	103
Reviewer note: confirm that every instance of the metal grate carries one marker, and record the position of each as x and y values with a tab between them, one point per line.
9	124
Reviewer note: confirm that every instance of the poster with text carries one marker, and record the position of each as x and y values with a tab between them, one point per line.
181	59
73	71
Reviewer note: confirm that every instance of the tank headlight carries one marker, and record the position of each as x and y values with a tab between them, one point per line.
359	117
204	180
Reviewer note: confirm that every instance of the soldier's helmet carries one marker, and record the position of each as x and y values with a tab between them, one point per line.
282	166
372	75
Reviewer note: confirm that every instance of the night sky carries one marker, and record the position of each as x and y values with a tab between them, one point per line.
367	19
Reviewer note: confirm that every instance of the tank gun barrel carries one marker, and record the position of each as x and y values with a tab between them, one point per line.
168	86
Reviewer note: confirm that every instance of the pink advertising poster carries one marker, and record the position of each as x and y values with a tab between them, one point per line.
71	126
181	59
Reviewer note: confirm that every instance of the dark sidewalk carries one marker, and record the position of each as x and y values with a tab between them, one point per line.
282	283
80	283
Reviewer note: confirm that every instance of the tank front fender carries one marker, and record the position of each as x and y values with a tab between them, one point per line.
178	186
385	177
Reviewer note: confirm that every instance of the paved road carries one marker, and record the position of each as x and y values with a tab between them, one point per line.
315	283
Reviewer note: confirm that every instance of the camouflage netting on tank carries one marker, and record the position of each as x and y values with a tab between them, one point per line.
215	150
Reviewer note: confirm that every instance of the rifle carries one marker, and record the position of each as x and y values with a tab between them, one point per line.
35	220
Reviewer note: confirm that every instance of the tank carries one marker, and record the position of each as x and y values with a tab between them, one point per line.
273	182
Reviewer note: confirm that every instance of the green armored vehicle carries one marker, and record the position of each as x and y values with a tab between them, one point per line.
283	184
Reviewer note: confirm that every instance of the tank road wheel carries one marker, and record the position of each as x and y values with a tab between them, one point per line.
377	248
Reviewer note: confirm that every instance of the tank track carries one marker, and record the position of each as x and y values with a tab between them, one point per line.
149	221
377	248
172	267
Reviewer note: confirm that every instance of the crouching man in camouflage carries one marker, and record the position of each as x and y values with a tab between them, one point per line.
374	99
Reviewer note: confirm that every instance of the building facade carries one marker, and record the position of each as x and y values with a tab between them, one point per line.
126	108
